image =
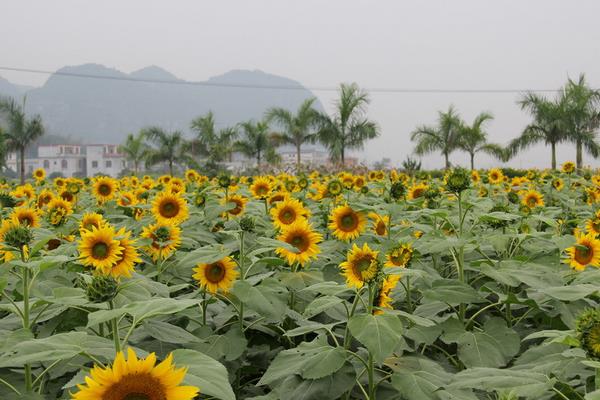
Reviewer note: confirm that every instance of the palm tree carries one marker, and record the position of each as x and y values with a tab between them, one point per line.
445	137
135	149
349	127
256	140
21	131
473	139
214	144
170	147
582	117
548	124
297	128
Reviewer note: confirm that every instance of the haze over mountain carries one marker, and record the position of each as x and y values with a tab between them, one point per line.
105	110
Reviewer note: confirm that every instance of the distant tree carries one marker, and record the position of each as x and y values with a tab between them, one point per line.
411	165
215	145
255	141
297	129
445	137
3	149
21	131
348	127
384	163
582	117
135	149
170	147
549	124
473	139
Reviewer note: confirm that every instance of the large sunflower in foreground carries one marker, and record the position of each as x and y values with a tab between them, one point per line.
346	223
165	239
288	211
99	248
218	275
104	188
533	198
361	265
169	208
303	238
586	251
136	379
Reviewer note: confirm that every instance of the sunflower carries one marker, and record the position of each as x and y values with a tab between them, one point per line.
127	199
380	223
26	216
104	188
136	379
495	176
278	197
593	225
217	275
303	238
67	196
165	239
44	198
346	223
261	187
5	254
558	184
240	204
383	300
288	211
191	175
568	167
169	208
399	256
475	177
533	198
91	220
586	251
416	191
99	248
361	265
58	210
39	174
128	258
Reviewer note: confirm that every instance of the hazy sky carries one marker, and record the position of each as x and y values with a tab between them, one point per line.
460	44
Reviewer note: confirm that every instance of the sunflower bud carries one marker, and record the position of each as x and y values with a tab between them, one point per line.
458	180
588	332
513	197
397	190
18	236
7	201
364	189
199	200
247	224
334	187
102	289
303	183
224	181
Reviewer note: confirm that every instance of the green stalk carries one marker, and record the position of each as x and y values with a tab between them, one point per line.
242	273
26	326
347	332
597	379
461	255
408	298
115	329
371	376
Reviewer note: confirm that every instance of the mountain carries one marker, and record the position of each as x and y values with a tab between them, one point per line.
12	90
105	110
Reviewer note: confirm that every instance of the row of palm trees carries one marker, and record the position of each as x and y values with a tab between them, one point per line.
572	116
347	128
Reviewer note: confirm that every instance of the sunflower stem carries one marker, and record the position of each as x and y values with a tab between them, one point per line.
408	296
115	329
26	277
597	379
371	376
242	277
347	332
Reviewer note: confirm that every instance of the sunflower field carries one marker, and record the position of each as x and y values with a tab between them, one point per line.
344	286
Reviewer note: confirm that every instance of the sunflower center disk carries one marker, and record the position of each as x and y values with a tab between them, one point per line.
349	222
583	254
299	242
215	273
137	396
288	216
104	190
170	209
136	387
100	250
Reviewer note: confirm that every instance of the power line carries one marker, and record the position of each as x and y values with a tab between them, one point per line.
274	87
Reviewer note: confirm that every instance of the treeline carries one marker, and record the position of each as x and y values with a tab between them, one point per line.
572	116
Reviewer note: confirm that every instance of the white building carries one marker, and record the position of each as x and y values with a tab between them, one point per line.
74	160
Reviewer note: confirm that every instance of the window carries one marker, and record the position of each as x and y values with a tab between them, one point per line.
64	164
46	164
94	164
108	163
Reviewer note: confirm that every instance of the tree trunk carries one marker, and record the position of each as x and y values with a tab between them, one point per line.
447	160
258	160
22	166
553	145
472	161
298	163
135	167
579	155
171	167
342	156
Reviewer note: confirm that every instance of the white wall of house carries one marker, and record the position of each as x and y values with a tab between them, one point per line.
104	159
